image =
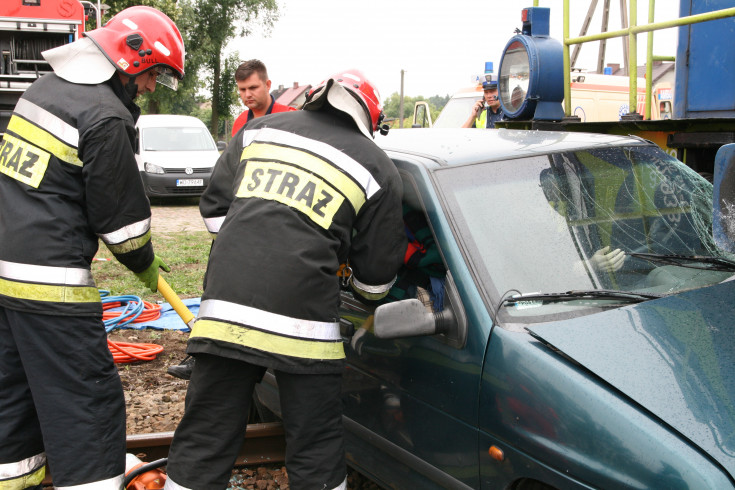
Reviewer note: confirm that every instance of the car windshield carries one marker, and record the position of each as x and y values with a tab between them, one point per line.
177	139
570	222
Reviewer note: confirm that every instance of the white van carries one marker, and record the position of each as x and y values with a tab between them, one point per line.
595	98
175	154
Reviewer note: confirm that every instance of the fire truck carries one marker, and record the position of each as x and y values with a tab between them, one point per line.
28	27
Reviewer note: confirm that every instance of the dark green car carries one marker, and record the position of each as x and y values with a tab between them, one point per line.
583	335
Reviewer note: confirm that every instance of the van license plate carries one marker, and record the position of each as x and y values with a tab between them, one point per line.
189	182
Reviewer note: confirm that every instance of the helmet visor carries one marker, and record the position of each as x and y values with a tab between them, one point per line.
167	76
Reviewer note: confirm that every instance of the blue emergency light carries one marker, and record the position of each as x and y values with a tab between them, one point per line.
531	76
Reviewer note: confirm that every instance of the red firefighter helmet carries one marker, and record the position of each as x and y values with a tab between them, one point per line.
140	38
362	89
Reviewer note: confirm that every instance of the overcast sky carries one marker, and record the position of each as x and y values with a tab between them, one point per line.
441	44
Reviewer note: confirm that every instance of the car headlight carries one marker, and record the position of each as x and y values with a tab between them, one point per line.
153	169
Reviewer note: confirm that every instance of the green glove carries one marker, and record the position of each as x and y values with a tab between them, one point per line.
149	277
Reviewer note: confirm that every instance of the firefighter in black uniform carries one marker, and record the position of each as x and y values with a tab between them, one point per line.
294	195
68	178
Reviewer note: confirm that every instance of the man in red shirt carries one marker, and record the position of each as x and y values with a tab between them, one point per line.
254	88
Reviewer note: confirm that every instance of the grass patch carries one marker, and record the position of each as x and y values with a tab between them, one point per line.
186	254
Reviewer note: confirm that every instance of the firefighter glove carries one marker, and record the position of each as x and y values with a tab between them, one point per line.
149	276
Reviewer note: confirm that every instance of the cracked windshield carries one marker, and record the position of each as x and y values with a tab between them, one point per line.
626	218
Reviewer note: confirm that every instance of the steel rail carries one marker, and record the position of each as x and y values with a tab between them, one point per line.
263	444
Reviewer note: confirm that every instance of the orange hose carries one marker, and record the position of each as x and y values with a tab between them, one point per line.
125	352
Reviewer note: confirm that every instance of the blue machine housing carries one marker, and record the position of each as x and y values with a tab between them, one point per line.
705	64
543	98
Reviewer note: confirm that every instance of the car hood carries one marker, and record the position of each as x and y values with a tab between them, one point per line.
182	159
675	356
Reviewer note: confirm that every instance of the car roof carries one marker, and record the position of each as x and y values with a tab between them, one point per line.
458	146
168	120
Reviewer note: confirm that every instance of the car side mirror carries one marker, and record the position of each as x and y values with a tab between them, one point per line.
221	145
410	318
723	198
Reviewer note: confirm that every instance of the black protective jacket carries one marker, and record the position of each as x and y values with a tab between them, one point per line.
294	196
68	177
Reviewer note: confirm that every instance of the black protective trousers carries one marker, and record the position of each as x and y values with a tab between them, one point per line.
209	437
60	392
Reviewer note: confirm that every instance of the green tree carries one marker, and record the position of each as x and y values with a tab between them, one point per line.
206	27
391	107
218	22
228	90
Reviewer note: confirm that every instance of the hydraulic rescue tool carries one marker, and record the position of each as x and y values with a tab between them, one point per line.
147	476
174	300
143	476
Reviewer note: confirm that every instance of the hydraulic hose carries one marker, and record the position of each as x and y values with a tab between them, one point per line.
135	311
125	352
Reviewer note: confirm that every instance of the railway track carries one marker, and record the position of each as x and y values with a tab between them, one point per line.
265	444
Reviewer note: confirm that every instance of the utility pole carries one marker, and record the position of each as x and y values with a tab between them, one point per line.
400	105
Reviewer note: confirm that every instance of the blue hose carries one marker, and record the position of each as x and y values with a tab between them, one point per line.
133	307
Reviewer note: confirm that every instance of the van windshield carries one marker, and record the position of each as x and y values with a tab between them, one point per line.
456	112
177	139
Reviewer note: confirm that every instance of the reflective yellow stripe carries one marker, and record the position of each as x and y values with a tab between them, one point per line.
25	481
310	163
267	342
369	296
48	121
23	161
347	164
266	321
371	292
293	187
50	293
28	476
46	274
214	224
130	245
44	139
127	232
481	121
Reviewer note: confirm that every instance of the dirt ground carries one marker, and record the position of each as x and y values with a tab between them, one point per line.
154	400
170	216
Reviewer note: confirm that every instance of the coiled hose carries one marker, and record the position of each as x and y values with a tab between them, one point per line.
135	311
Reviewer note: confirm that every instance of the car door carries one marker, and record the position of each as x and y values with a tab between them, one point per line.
411	403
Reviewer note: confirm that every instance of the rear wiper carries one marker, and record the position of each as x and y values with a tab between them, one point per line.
692	261
628	296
